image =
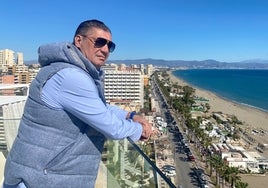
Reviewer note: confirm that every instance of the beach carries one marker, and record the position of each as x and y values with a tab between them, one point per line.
252	119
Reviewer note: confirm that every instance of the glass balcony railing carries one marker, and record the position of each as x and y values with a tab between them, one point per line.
124	163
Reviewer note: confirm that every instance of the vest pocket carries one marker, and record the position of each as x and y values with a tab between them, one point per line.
59	159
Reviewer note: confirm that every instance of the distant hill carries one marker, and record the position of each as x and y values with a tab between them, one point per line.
205	64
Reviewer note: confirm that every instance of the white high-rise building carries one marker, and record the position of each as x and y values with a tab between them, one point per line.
7	58
150	70
125	87
19	58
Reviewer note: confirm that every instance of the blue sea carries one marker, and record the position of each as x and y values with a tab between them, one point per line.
248	87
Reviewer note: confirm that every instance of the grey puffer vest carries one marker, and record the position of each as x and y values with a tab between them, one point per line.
53	148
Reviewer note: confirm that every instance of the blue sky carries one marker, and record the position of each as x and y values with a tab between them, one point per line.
224	30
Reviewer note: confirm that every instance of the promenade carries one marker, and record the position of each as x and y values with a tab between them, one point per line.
170	150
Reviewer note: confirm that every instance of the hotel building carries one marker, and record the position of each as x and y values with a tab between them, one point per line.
124	86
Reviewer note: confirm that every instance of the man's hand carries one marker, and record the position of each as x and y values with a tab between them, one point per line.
147	128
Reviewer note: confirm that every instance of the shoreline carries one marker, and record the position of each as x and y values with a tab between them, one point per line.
251	117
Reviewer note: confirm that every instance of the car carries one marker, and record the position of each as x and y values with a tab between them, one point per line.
168	167
170	173
187	150
191	158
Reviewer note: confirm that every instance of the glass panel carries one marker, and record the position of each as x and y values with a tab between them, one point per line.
127	166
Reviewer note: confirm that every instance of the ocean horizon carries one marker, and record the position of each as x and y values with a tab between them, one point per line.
244	86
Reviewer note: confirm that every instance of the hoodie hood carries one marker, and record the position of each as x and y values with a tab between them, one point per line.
68	53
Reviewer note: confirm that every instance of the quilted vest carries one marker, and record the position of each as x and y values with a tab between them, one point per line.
53	148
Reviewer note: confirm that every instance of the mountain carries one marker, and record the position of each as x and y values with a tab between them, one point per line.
205	64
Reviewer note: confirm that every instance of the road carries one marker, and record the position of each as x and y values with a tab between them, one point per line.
185	174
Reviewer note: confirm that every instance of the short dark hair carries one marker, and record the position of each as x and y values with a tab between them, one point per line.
87	25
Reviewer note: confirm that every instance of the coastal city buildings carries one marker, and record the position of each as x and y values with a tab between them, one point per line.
235	153
13	70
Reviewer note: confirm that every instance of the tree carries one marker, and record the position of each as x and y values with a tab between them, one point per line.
241	184
207	107
188	95
224	174
233	175
206	143
217	163
209	127
176	86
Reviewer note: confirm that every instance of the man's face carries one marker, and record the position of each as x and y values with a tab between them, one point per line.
86	43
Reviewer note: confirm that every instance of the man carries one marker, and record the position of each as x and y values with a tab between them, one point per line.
66	119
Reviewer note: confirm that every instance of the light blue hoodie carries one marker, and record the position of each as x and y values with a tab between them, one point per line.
65	123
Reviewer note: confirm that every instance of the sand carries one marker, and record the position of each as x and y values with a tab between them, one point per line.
250	116
255	180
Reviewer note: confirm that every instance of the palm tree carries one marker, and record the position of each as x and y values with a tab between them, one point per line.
207	107
241	184
176	86
211	163
132	156
233	177
217	163
224	173
188	95
206	143
199	133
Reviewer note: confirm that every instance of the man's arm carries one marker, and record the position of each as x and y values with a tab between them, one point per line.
74	91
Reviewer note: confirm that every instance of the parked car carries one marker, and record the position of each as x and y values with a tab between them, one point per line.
187	150
191	157
168	167
170	173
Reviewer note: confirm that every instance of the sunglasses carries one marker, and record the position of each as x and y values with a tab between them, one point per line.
100	42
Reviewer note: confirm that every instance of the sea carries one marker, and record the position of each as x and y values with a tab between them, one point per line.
244	86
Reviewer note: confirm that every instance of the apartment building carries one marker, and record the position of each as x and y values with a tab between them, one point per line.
11	64
19	58
149	70
124	86
7	58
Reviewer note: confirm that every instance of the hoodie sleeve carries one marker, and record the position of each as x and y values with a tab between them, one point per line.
73	90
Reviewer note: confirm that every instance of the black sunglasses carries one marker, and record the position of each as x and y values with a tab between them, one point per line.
100	42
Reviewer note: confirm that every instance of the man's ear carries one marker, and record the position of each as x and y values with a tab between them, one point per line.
77	40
